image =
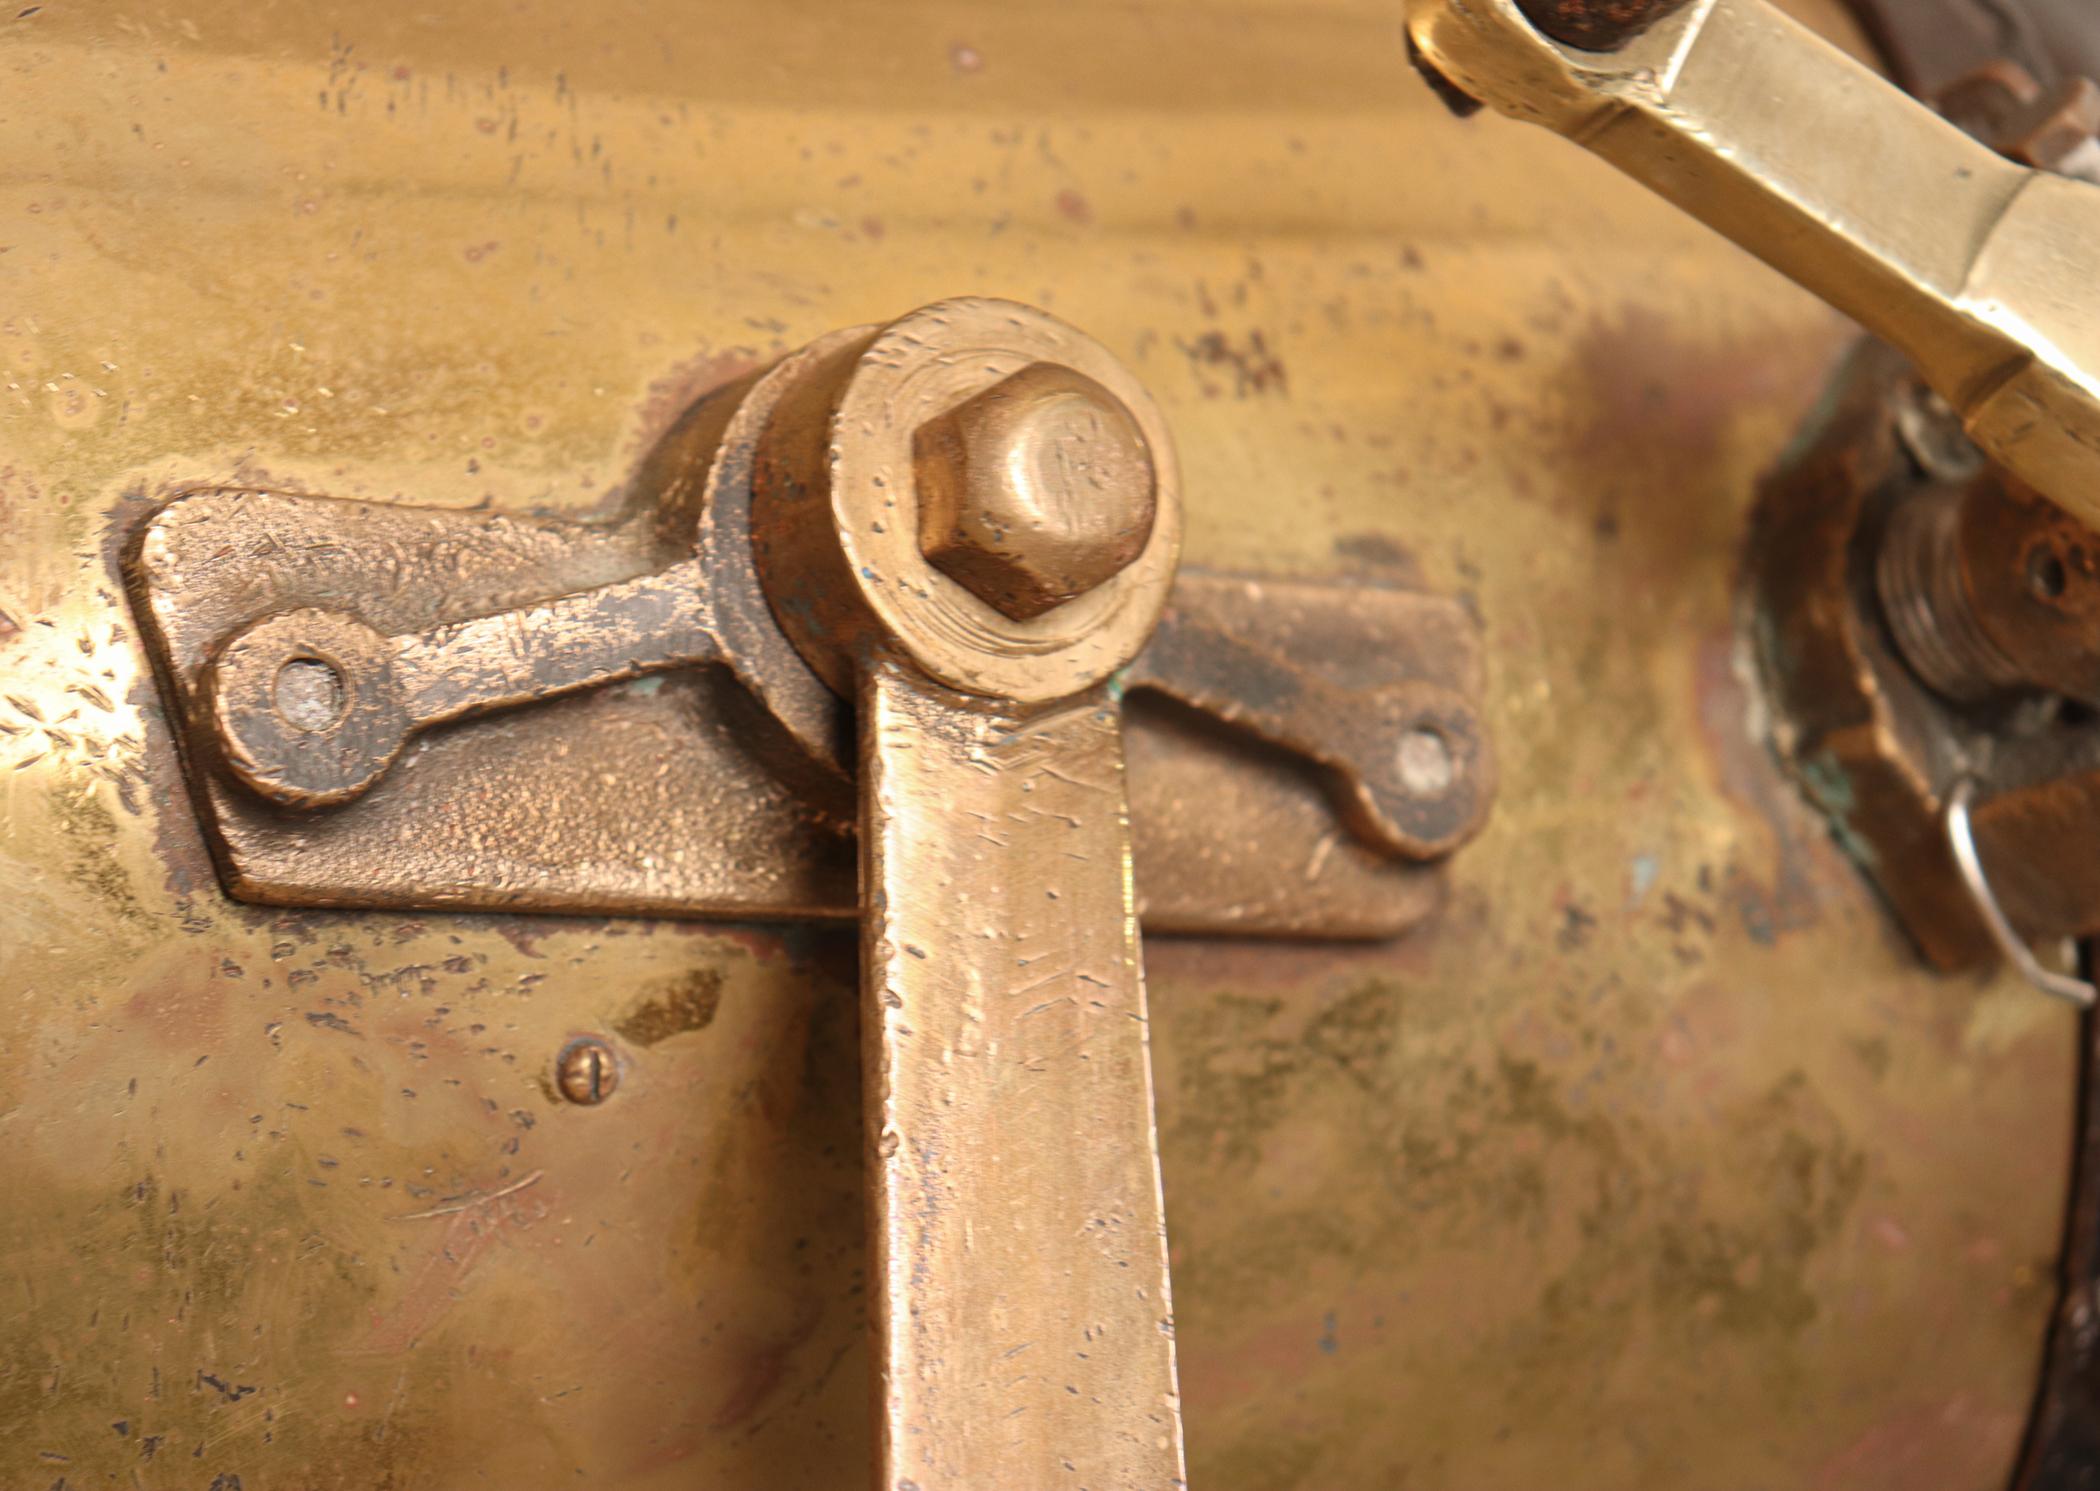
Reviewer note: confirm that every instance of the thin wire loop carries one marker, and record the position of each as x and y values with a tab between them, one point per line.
1962	840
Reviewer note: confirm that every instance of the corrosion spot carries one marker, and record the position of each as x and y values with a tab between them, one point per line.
672	1007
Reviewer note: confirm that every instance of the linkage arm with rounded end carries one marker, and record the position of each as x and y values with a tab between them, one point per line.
1980	270
311	707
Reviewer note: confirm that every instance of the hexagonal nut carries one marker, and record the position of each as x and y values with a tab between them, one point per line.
1035	491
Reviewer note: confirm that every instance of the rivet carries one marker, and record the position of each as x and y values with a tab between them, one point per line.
1426	765
309	694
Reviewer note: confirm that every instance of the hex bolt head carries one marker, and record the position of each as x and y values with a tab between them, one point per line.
586	1072
1035	491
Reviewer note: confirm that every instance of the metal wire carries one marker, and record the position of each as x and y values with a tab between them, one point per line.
1962	840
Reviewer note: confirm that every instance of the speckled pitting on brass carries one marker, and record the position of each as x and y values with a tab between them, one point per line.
1657	1161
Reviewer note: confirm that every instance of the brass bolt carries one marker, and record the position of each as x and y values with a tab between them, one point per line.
586	1072
1035	491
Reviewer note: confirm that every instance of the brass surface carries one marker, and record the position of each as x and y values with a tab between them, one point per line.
1655	1160
1978	268
1023	1323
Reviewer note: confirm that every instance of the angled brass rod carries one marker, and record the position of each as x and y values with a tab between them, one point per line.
1982	271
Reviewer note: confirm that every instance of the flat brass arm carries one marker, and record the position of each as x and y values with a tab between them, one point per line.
1980	270
1023	1321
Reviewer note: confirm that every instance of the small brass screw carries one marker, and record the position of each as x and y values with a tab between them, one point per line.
586	1071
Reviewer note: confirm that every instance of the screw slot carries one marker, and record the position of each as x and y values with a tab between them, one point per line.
586	1072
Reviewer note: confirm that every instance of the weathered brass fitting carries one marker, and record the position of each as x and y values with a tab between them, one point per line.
1035	491
1979	269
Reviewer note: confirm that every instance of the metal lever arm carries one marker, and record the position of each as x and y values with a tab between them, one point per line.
311	707
1024	1331
1980	270
1019	1236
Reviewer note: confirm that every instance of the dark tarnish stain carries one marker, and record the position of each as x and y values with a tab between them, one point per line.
1807	1177
1074	208
523	934
1597	25
1750	776
89	828
328	1020
1381	552
1576	924
1670	402
1505	1142
1649	387
764	1371
673	1007
669	397
232	1392
1248	1065
1255	370
1654	412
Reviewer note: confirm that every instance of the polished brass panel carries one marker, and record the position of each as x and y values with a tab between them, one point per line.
1655	1161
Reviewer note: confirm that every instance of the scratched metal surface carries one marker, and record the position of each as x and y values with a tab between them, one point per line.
1658	1161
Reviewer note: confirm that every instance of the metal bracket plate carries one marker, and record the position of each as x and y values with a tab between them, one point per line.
678	794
